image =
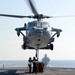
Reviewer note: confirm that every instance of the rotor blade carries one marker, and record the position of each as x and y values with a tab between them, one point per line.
60	16
15	16
33	8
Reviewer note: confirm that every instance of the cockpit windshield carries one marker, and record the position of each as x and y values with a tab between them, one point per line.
38	24
45	24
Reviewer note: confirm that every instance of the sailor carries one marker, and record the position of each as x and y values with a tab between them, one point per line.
34	65
30	64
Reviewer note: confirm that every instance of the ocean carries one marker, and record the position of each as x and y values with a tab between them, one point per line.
52	63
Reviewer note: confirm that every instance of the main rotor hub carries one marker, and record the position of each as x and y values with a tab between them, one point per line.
40	16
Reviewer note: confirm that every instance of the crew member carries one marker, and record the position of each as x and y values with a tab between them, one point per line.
30	64
34	65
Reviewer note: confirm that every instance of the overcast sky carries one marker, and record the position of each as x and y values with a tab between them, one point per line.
10	43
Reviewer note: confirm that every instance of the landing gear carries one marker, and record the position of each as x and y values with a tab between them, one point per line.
51	46
24	46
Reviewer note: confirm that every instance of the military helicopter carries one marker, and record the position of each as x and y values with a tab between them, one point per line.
38	32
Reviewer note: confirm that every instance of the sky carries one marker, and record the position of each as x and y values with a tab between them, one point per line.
10	43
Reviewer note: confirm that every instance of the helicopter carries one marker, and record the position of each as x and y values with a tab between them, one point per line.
38	32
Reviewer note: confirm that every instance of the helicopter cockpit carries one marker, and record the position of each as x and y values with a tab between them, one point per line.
36	24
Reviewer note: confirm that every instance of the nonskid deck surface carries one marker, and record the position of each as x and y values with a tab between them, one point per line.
47	71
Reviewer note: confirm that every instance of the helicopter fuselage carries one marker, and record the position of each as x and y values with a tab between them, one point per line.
38	34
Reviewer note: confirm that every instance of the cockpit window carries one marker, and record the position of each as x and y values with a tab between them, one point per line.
31	25
38	24
45	25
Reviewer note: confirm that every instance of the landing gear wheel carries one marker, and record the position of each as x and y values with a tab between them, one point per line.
24	46
51	46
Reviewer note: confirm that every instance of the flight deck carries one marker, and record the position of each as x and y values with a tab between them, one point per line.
47	71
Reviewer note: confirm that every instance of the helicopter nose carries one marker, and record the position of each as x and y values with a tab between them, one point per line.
39	32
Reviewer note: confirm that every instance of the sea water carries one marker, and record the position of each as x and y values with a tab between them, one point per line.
52	63
62	63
